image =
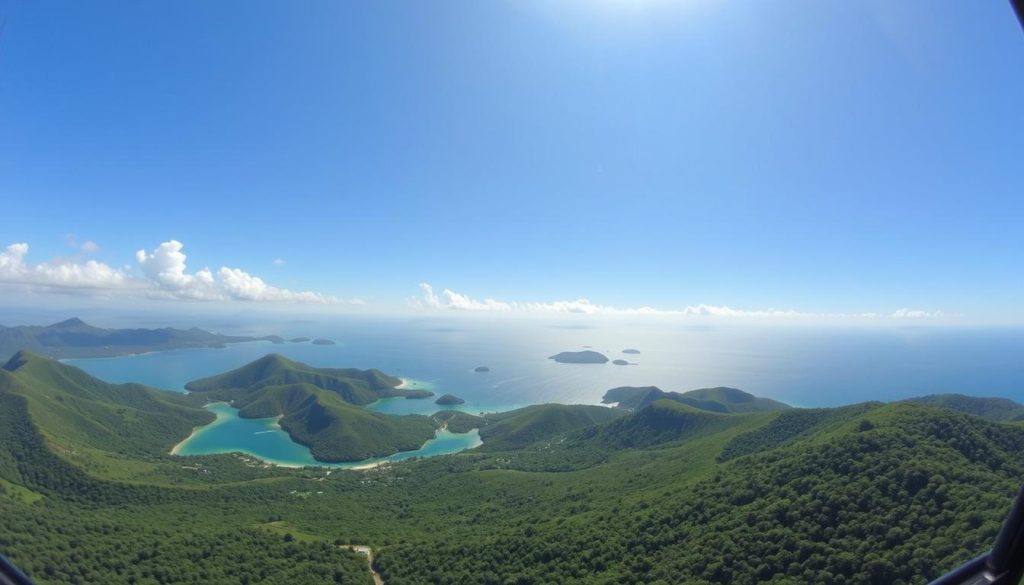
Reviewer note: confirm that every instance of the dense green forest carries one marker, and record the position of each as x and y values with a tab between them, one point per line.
868	494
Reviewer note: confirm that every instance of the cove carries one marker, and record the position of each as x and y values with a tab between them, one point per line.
264	439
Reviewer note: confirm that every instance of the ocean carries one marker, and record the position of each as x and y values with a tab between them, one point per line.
800	365
809	366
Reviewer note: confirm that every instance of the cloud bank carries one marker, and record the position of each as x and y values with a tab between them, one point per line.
162	273
455	301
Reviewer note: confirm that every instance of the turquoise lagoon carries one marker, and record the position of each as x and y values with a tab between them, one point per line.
264	439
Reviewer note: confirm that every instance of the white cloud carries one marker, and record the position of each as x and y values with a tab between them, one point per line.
162	274
166	268
278	262
906	313
457	301
12	259
56	273
243	286
452	300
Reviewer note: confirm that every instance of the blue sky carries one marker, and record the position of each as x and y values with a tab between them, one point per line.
816	157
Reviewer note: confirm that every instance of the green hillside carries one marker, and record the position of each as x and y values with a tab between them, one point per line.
735	400
333	429
75	338
662	421
720	399
995	409
518	428
75	410
358	387
669	493
790	425
893	494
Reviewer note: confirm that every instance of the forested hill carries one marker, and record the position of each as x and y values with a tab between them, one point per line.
77	411
359	387
877	494
719	399
75	338
667	493
996	409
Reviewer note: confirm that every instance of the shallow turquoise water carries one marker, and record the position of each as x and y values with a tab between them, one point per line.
263	438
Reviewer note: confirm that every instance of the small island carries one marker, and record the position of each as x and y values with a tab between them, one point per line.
449	400
621	363
579	357
482	369
631	351
323	342
299	340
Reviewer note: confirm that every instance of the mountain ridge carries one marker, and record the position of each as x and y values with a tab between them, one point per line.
74	338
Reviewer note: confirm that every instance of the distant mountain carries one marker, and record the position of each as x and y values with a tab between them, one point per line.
74	338
78	411
320	407
580	357
994	409
720	399
517	428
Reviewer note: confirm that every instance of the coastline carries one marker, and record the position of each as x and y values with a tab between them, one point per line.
365	464
177	446
225	345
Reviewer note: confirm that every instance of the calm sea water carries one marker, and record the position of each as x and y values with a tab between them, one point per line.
803	366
